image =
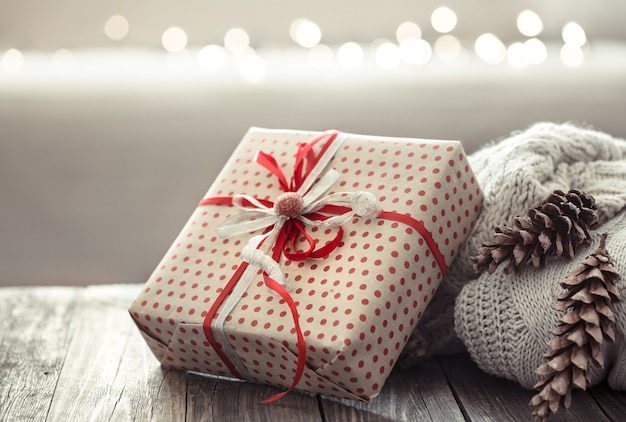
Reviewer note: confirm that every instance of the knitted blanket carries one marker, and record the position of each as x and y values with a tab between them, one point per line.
505	321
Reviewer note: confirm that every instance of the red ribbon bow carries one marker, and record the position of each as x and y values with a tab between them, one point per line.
286	243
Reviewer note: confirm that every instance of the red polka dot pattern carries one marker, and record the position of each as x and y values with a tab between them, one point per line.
357	306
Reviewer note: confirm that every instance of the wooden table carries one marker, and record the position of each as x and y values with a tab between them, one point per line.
73	354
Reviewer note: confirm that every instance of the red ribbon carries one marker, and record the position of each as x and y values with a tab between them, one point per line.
306	159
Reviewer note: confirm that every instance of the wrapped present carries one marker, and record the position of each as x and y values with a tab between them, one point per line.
310	260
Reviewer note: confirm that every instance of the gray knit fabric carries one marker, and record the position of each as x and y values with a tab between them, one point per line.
505	320
516	174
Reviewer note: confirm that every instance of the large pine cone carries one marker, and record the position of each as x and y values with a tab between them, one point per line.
555	228
587	320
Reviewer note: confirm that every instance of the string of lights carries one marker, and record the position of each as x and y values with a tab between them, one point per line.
407	48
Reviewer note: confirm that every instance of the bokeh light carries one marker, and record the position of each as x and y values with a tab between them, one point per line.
243	53
212	57
415	51
408	30
572	56
529	23
443	19
574	34
387	55
321	56
116	27
252	68
237	53
448	48
236	39
174	39
350	55
305	32
12	61
516	55
63	60
490	49
536	51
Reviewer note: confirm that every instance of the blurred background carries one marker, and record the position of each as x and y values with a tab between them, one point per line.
116	116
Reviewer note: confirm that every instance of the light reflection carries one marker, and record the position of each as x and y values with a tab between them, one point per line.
531	52
529	23
305	33
387	55
116	27
536	51
63	60
516	55
443	19
408	30
252	68
12	61
236	39
212	57
490	49
242	54
572	56
174	39
415	51
350	55
321	56
448	48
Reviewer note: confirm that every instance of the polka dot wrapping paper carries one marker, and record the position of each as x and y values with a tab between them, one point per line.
323	303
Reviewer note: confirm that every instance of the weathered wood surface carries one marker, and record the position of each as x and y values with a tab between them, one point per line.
73	354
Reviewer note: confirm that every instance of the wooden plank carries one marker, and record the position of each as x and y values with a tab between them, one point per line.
75	354
35	329
420	393
147	391
108	373
211	399
484	397
612	402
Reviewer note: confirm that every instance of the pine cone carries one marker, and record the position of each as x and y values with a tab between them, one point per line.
555	228
588	321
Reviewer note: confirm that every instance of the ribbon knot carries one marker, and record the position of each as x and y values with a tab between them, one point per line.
287	217
303	203
292	210
289	205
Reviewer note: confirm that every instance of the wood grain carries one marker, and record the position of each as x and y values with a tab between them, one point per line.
74	354
419	393
211	399
612	402
91	384
148	392
35	328
485	397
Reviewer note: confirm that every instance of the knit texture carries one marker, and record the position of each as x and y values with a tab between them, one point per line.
505	321
516	174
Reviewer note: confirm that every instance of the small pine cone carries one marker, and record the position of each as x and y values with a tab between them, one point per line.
555	228
587	321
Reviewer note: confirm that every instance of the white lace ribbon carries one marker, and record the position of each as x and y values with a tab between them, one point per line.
259	216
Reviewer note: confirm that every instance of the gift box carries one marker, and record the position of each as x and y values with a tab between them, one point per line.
310	260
